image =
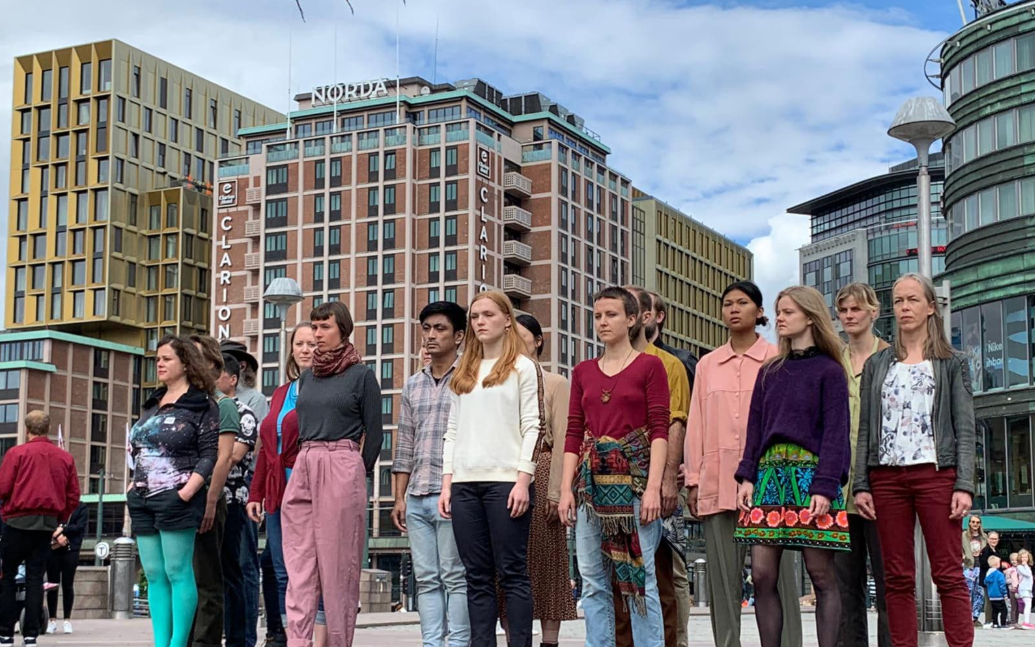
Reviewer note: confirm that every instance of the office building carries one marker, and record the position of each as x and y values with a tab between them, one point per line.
389	201
689	265
867	232
987	69
113	158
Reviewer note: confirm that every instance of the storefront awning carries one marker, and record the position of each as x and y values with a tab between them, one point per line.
1006	524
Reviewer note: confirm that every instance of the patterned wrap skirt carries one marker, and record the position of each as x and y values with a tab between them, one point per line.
779	513
547	556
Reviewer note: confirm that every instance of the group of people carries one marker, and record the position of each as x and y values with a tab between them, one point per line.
1001	586
812	445
198	492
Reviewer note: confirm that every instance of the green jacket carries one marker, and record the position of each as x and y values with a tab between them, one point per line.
952	418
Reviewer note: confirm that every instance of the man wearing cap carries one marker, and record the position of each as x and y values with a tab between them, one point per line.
246	392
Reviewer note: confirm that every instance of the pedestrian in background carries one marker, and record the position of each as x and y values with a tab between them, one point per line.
39	486
62	565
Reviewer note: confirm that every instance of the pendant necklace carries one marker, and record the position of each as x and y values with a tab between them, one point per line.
605	394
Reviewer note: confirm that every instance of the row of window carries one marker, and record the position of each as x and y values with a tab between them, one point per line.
992	63
79	202
998	339
1002	202
86	82
98	298
1003	463
873	208
895	243
994	133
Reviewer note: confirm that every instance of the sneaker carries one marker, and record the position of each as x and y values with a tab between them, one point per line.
68	627
52	627
29	642
1027	625
6	640
977	623
499	630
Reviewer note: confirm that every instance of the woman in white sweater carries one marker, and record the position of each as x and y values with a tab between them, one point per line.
488	461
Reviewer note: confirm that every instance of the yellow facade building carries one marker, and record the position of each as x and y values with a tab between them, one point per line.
689	265
111	211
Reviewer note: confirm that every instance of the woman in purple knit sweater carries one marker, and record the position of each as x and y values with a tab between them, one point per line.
796	460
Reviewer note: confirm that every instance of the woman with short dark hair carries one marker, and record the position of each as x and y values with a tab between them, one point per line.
324	508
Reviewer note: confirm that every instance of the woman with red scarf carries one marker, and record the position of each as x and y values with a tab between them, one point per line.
324	508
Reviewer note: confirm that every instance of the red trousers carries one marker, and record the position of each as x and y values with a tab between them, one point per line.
900	496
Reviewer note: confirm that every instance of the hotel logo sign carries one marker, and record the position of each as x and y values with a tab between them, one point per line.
228	194
484	169
345	92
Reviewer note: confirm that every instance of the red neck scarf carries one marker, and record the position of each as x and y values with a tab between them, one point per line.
334	362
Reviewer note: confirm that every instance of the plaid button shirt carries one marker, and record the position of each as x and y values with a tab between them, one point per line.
422	428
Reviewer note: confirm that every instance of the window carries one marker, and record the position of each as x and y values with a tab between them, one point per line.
120	110
389	200
451	200
237	122
318	208
451	163
435	163
276	247
47	85
174	130
212	113
83	114
171	215
276	213
390	165
450	266
85	78
372	199
199	140
188	107
276	179
373	166
451	230
148	114
105	80
434	198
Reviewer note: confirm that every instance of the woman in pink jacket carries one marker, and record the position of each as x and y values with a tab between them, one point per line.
715	434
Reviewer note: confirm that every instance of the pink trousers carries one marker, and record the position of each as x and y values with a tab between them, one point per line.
324	522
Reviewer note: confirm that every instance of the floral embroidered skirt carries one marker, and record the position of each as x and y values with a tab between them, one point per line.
780	511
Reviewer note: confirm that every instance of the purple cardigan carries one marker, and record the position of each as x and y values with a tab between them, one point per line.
804	401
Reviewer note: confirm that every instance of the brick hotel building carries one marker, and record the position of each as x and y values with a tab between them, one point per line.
390	202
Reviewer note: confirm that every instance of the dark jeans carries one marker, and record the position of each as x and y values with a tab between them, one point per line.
29	547
61	568
270	595
490	544
208	572
901	495
236	594
1000	613
250	571
853	583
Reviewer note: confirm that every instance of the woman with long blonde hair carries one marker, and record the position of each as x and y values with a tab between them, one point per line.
796	460
488	462
915	459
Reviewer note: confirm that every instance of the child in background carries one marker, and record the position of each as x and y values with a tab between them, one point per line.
998	593
977	592
1024	589
1013	580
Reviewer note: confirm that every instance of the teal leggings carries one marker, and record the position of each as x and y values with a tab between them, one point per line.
168	559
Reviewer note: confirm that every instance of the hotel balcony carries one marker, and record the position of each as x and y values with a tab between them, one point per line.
251	327
517	286
253	196
252	294
253	228
517	218
517	185
517	253
252	262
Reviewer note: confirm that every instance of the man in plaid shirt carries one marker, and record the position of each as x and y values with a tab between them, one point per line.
441	582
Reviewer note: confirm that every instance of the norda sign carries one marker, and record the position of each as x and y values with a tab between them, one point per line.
342	92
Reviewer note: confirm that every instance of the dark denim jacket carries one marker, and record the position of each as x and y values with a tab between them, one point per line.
952	418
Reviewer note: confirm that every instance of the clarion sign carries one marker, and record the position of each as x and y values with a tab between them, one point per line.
343	92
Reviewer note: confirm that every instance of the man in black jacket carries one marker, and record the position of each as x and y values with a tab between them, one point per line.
62	564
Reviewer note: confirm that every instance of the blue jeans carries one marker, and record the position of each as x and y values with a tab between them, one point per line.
235	604
250	573
441	582
597	598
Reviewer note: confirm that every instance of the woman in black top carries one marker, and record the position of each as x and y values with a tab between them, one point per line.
62	564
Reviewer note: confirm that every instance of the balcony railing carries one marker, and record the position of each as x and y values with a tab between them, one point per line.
251	261
253	196
430	139
458	135
518	184
542	155
517	218
515	285
315	149
282	152
234	170
251	327
395	140
253	228
252	294
369	143
482	138
517	252
341	144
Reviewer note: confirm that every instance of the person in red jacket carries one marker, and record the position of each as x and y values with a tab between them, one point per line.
39	486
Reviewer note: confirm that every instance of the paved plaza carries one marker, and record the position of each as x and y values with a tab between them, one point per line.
401	630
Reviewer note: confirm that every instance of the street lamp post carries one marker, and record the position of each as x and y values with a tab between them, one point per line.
283	293
920	121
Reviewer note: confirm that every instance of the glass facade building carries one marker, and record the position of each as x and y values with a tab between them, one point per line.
988	70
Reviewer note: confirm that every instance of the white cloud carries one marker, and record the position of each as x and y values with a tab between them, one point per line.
732	113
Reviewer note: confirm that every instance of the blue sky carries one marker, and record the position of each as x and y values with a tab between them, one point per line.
732	111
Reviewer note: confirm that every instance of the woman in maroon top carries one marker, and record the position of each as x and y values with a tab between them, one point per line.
615	452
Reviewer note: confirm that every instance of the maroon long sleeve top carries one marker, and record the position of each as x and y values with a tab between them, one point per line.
639	399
